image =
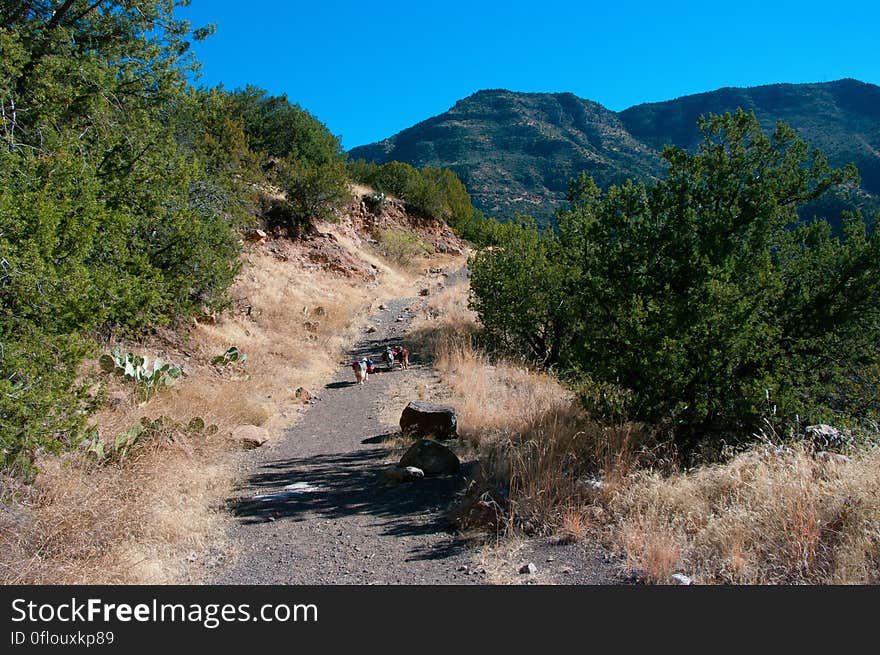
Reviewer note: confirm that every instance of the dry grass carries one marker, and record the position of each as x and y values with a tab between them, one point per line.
771	514
157	517
532	437
139	523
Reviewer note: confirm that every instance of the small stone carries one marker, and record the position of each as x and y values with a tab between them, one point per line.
250	436
371	329
826	437
681	579
117	399
303	394
404	474
425	292
528	569
257	236
383	307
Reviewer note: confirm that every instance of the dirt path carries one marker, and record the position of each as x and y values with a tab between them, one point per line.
316	509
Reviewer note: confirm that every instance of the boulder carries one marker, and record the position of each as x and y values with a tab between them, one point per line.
404	474
250	436
257	236
528	569
423	419
825	437
681	579
432	457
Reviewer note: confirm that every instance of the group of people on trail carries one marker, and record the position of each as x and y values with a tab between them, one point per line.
365	366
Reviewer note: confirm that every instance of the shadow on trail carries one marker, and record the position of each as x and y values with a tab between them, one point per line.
340	385
337	485
381	438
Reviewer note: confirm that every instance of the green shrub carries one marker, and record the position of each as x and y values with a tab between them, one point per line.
313	192
402	246
702	295
121	191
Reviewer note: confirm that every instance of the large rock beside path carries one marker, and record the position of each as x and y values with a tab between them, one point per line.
423	419
431	457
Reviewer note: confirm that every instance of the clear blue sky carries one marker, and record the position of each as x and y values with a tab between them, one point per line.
368	70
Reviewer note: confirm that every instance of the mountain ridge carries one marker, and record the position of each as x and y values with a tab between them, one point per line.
517	151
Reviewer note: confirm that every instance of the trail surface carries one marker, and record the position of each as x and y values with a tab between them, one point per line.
316	509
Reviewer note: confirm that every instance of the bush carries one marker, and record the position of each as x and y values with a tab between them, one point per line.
121	191
703	295
428	193
313	192
402	246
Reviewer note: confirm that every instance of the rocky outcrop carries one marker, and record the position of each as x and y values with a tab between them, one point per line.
826	437
423	419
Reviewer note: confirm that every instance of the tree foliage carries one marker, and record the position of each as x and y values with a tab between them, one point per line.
283	130
120	192
427	192
703	295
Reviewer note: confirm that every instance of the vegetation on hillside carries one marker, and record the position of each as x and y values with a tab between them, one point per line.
699	304
123	191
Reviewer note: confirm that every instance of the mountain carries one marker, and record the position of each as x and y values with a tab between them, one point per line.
516	152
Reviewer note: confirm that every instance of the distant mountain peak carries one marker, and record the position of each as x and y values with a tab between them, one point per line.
517	151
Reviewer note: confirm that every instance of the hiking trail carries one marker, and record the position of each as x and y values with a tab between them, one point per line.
316	509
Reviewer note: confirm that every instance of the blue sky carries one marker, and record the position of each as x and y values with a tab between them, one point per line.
368	70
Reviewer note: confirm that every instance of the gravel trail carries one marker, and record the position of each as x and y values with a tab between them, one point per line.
316	508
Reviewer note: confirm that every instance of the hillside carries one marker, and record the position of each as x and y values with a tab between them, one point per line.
516	152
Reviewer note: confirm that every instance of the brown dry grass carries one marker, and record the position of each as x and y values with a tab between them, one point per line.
771	514
157	517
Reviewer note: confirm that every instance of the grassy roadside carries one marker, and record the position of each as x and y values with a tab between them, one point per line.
156	515
774	513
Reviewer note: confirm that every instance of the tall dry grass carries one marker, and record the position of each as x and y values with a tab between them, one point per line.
537	447
770	514
158	517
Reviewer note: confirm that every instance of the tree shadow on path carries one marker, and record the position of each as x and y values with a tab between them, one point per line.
341	485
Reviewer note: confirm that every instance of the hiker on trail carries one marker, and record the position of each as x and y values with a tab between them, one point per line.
388	357
360	370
